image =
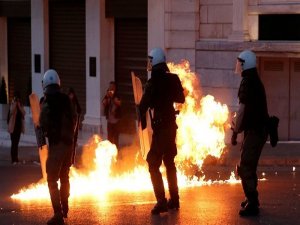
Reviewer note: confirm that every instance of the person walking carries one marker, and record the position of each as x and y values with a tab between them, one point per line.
112	110
162	90
252	119
57	120
16	125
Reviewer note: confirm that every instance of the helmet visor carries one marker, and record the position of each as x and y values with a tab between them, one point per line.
149	63
238	67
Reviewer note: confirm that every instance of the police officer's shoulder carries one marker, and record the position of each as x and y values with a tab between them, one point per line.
173	77
249	82
45	105
172	74
246	80
65	97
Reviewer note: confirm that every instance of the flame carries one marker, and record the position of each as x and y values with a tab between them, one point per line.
201	132
200	122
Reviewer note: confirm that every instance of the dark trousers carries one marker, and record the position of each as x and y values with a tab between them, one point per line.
113	133
252	146
163	148
57	168
15	139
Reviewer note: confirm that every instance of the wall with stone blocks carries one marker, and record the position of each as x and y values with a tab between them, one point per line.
181	29
215	19
215	68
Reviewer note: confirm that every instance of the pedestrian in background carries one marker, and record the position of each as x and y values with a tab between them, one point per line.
16	125
77	109
112	111
162	90
252	119
57	120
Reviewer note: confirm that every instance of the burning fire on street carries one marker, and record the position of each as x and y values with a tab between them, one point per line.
201	132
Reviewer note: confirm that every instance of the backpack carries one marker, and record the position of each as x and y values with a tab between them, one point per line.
273	123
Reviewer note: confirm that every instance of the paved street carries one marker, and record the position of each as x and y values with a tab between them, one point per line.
215	204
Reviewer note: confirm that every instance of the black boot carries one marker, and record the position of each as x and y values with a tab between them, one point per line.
173	204
245	202
250	210
160	207
57	219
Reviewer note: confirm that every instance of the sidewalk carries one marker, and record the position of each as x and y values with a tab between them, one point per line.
29	139
284	154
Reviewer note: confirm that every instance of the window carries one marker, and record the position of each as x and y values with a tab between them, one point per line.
284	27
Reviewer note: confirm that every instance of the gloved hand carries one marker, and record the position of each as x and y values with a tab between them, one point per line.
233	138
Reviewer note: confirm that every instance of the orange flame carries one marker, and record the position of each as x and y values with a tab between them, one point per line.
200	133
200	122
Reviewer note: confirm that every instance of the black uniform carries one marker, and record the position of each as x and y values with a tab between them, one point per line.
161	91
57	120
254	124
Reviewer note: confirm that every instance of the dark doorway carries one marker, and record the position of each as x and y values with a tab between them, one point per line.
281	77
67	45
130	55
19	57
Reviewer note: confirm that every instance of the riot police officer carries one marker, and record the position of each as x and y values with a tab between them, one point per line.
252	118
161	91
57	120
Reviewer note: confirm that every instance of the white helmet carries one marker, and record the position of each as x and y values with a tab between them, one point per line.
50	77
156	56
247	59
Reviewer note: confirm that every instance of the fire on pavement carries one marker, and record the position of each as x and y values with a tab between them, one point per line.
202	123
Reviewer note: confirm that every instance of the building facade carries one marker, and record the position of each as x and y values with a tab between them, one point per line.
269	28
91	42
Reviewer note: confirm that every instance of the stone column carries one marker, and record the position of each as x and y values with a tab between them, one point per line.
156	24
3	51
239	21
99	47
39	43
